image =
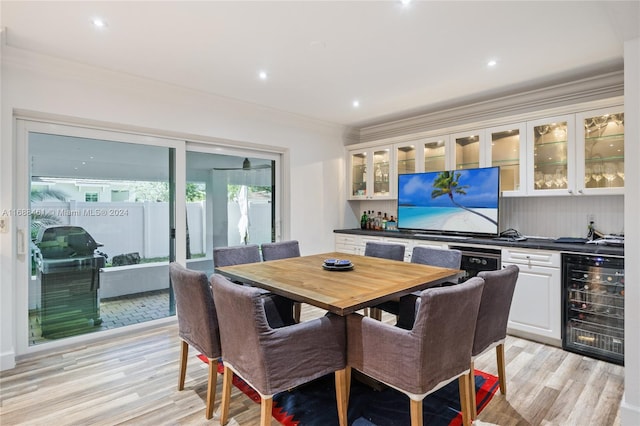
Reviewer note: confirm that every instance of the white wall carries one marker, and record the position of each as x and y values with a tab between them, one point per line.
630	408
33	82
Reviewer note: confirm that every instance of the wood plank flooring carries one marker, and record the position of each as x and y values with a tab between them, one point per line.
133	380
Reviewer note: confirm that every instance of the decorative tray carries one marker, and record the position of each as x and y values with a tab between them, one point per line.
337	265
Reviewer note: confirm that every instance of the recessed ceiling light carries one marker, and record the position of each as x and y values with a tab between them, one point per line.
492	63
405	2
262	75
356	103
99	22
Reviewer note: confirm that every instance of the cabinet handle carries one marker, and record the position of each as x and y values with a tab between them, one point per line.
571	191
580	191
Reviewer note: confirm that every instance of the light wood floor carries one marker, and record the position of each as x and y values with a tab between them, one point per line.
133	380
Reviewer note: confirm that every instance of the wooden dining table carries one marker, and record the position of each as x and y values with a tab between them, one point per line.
371	281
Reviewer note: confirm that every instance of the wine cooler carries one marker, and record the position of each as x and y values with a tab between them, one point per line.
593	306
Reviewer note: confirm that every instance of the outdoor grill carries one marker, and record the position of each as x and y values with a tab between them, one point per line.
69	270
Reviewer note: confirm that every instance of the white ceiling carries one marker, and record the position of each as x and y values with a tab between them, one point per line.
322	55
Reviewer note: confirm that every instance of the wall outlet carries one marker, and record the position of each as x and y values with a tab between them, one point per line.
4	225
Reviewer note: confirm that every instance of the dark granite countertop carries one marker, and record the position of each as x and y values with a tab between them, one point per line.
531	243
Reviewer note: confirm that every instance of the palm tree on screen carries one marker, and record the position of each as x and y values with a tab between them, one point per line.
448	183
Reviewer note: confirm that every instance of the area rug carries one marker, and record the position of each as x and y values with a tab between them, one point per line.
314	404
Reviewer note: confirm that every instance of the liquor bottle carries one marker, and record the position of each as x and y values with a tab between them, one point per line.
363	220
384	222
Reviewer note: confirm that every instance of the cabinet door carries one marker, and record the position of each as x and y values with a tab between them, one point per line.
408	157
467	150
600	151
506	147
358	174
371	173
435	154
346	243
551	154
382	172
535	309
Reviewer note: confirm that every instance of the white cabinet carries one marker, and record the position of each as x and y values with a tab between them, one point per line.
536	306
506	147
600	151
346	243
371	172
467	150
551	156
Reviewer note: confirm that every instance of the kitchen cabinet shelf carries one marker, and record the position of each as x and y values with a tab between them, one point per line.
605	138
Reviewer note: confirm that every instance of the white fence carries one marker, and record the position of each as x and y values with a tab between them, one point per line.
126	227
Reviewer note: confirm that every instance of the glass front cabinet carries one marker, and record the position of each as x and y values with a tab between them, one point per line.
600	151
370	173
506	147
551	156
467	152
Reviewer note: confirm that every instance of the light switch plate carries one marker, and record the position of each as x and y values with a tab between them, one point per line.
4	225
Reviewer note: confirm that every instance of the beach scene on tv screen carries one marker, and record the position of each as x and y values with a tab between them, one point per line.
460	201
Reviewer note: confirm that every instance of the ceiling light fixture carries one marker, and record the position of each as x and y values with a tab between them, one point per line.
262	75
405	2
99	23
356	103
492	63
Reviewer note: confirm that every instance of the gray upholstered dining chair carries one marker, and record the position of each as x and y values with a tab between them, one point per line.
271	359
404	308
433	353
277	306
493	316
197	324
283	250
280	250
392	251
236	255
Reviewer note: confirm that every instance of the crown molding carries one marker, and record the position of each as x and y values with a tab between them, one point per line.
604	86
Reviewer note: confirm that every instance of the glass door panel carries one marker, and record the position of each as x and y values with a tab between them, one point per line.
550	148
381	172
100	235
467	151
230	201
604	151
505	152
406	159
434	155
359	174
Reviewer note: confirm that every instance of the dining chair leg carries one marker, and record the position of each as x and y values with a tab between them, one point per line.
375	313
347	373
473	409
227	380
184	352
501	370
463	382
342	396
416	412
211	387
266	405
297	311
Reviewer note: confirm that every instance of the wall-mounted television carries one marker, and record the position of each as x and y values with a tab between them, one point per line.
456	202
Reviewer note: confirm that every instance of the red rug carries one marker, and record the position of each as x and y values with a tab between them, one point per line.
314	403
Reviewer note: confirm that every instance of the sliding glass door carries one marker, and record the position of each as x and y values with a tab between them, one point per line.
103	213
98	231
230	200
